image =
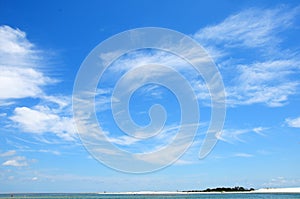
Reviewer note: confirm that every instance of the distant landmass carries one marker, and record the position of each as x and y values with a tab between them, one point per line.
222	189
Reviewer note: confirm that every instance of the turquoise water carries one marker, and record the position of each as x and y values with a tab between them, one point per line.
173	196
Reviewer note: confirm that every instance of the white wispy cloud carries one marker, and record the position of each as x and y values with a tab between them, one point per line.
13	41
20	62
48	151
22	82
250	28
3	114
293	122
268	82
22	76
43	119
243	155
162	139
268	75
103	99
235	135
153	91
8	153
34	178
146	57
234	155
123	140
54	152
18	161
149	73
259	130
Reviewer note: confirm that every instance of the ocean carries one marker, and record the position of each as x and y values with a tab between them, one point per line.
147	196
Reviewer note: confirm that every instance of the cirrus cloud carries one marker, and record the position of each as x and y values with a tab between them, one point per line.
295	123
266	72
18	161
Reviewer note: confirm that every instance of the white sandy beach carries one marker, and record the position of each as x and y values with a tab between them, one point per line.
278	190
263	190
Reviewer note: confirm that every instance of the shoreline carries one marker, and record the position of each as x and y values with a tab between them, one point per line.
262	190
295	190
278	190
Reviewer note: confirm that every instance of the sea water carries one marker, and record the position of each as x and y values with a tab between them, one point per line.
147	196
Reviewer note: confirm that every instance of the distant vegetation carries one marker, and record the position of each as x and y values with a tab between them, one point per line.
223	189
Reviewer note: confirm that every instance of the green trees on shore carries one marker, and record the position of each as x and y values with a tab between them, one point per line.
223	189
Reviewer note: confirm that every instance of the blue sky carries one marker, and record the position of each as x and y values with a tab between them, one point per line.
255	46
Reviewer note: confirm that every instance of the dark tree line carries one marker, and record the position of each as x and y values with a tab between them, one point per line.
223	189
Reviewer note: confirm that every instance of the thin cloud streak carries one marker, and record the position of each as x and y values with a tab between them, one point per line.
251	28
18	161
264	79
295	122
235	135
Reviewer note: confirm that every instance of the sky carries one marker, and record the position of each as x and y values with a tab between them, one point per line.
253	44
